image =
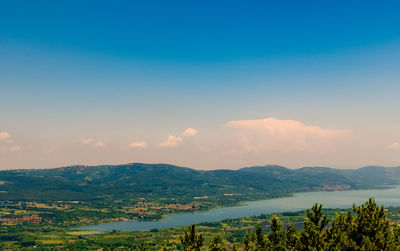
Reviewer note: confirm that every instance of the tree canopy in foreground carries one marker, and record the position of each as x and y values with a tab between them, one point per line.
366	227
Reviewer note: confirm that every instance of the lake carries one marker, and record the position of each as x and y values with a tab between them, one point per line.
299	201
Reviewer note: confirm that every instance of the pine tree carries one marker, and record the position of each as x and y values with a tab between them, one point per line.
246	241
217	244
292	238
191	240
338	234
366	227
372	226
276	237
313	235
260	241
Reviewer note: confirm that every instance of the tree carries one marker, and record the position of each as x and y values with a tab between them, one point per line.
216	243
372	227
260	241
396	233
250	241
191	240
246	241
366	227
292	237
312	236
369	229
276	237
338	234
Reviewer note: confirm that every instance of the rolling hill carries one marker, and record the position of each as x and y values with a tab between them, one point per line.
97	183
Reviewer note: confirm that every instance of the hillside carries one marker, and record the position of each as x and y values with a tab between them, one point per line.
115	182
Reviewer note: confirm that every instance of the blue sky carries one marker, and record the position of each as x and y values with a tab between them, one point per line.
124	72
199	32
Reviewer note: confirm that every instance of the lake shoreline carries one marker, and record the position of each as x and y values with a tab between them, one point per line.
243	204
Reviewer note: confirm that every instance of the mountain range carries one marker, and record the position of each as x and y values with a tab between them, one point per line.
136	180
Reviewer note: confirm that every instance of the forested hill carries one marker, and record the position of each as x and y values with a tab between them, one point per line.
168	181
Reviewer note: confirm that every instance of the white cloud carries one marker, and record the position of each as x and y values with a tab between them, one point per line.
87	141
272	134
15	148
5	136
394	146
189	132
100	144
283	127
171	141
6	139
138	144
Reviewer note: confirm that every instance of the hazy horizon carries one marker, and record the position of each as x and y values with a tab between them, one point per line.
199	169
203	85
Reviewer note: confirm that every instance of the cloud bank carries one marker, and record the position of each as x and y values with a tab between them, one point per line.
271	134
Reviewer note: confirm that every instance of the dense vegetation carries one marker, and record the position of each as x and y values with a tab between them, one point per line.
365	227
105	184
40	207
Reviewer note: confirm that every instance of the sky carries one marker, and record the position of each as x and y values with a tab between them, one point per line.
201	84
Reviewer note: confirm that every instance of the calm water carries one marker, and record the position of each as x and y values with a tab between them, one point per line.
339	199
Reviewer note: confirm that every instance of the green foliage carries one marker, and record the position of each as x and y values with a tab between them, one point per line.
141	248
102	184
367	228
364	227
216	243
277	237
191	240
27	241
292	236
260	241
313	234
247	241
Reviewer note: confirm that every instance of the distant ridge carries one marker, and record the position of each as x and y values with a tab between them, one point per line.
135	180
267	169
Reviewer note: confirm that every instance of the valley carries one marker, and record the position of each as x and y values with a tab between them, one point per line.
44	207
